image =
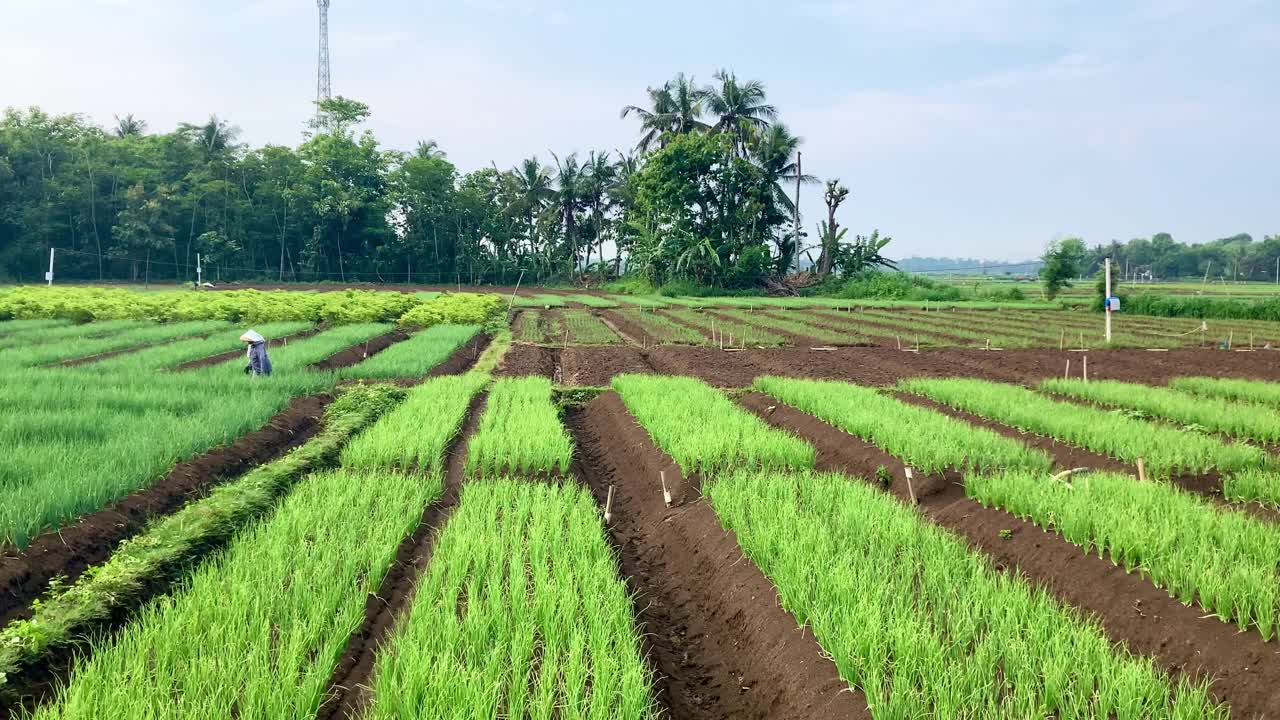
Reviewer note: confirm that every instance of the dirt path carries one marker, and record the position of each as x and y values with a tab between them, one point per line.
68	551
360	352
1179	638
350	685
720	642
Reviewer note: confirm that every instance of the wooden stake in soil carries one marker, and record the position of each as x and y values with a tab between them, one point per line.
1142	471
899	340
1062	339
910	490
1231	334
608	506
1085	361
1066	374
666	494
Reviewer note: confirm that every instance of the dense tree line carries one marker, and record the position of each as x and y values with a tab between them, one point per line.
1160	257
705	197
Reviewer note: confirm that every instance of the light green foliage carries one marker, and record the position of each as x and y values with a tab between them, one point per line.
1225	561
416	356
738	332
1260	486
171	355
259	630
240	306
491	358
458	309
1244	420
1165	450
413	437
532	327
923	625
660	329
84	347
520	615
925	439
587	329
702	430
61	617
1267	393
520	432
10	327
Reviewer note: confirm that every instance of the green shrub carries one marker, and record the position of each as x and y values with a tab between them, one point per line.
457	309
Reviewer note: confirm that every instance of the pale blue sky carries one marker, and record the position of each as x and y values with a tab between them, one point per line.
964	127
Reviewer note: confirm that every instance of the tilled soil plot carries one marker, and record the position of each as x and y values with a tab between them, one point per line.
885	366
357	354
1181	639
69	551
719	640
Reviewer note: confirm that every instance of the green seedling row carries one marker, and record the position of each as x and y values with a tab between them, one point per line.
74	440
702	430
62	617
519	615
735	333
258	631
860	321
413	437
9	327
587	329
595	301
1239	419
1255	391
171	355
520	432
533	327
298	355
925	439
544	300
831	332
84	347
922	625
63	330
1165	450
663	330
1225	561
413	357
784	324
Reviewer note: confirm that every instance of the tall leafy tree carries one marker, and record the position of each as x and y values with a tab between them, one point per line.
739	106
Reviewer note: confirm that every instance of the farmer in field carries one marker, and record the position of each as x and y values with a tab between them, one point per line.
259	363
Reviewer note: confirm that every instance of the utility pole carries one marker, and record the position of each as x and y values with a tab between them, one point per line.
199	273
799	174
1108	299
49	275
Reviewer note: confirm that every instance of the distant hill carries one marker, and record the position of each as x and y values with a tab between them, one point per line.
968	266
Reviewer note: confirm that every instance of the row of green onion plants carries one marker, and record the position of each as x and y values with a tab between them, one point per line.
520	432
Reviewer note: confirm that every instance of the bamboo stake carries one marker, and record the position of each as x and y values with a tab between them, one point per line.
1230	336
895	337
608	506
1066	374
1142	471
1085	361
666	494
1062	339
910	489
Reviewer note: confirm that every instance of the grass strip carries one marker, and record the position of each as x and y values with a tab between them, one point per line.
61	617
258	631
1239	419
923	625
1225	561
412	438
519	615
1165	450
595	301
520	432
925	439
1254	391
413	357
702	430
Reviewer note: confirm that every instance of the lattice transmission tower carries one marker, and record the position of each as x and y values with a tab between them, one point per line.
324	86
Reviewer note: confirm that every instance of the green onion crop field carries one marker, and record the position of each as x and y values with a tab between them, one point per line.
1257	391
702	430
412	438
413	357
520	432
520	614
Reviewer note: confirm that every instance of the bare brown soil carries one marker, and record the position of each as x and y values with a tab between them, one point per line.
719	640
885	366
1181	639
67	552
233	354
350	685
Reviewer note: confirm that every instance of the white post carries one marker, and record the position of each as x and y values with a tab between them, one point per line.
1108	300
199	273
49	275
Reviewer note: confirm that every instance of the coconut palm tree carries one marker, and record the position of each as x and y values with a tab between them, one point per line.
774	151
739	107
129	125
428	149
531	193
599	178
675	107
569	198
